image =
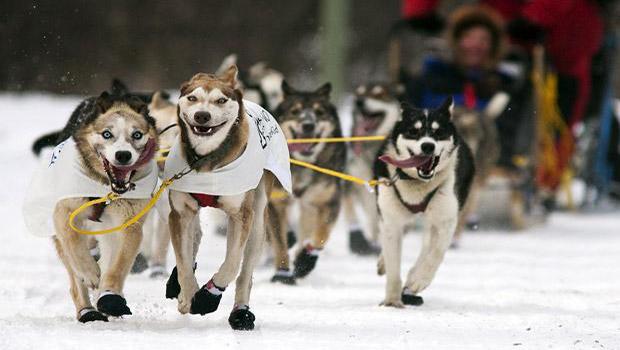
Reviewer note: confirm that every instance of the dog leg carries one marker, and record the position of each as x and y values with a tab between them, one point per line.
240	222
76	247
159	248
79	293
391	241
111	301
183	213
312	241
277	229
442	219
241	318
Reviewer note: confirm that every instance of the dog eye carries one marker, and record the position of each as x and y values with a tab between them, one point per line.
192	98
107	134
137	135
319	111
221	101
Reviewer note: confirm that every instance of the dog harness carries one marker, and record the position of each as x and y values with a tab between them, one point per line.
266	150
416	208
64	176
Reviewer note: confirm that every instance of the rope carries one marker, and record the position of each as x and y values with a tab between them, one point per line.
110	197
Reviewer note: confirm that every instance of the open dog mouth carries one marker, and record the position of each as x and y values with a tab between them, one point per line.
206	130
305	149
425	165
120	176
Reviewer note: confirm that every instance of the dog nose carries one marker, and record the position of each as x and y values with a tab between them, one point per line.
202	117
123	157
359	103
307	128
428	148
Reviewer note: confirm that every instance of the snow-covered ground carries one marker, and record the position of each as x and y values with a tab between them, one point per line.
556	286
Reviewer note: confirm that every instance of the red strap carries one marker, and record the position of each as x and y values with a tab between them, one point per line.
469	94
205	200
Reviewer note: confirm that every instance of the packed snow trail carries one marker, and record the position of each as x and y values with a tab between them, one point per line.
556	286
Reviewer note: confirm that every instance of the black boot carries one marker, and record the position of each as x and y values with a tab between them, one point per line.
140	264
409	298
113	305
207	299
91	315
305	262
242	319
358	244
172	285
284	276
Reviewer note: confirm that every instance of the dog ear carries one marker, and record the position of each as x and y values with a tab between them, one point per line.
184	88
230	76
118	87
104	102
448	105
159	99
287	89
324	90
138	105
227	62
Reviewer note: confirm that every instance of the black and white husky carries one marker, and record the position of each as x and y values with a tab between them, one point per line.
430	171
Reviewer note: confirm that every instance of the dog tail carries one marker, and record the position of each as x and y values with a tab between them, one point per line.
47	140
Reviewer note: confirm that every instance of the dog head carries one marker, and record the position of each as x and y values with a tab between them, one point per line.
209	107
307	114
376	108
269	81
422	139
117	139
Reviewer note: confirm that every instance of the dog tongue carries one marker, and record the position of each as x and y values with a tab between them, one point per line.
120	173
423	162
298	147
363	128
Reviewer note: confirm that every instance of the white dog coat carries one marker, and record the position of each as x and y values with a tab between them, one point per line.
266	149
63	177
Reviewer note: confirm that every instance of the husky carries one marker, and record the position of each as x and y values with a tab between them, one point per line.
479	131
261	84
156	241
111	148
425	167
375	111
305	114
229	155
52	139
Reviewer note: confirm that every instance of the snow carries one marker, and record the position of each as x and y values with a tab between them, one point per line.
555	286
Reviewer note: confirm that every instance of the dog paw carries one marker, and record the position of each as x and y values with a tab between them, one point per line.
305	262
420	282
113	305
241	319
380	266
409	298
207	299
393	303
91	315
284	277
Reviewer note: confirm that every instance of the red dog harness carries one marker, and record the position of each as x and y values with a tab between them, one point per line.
205	200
